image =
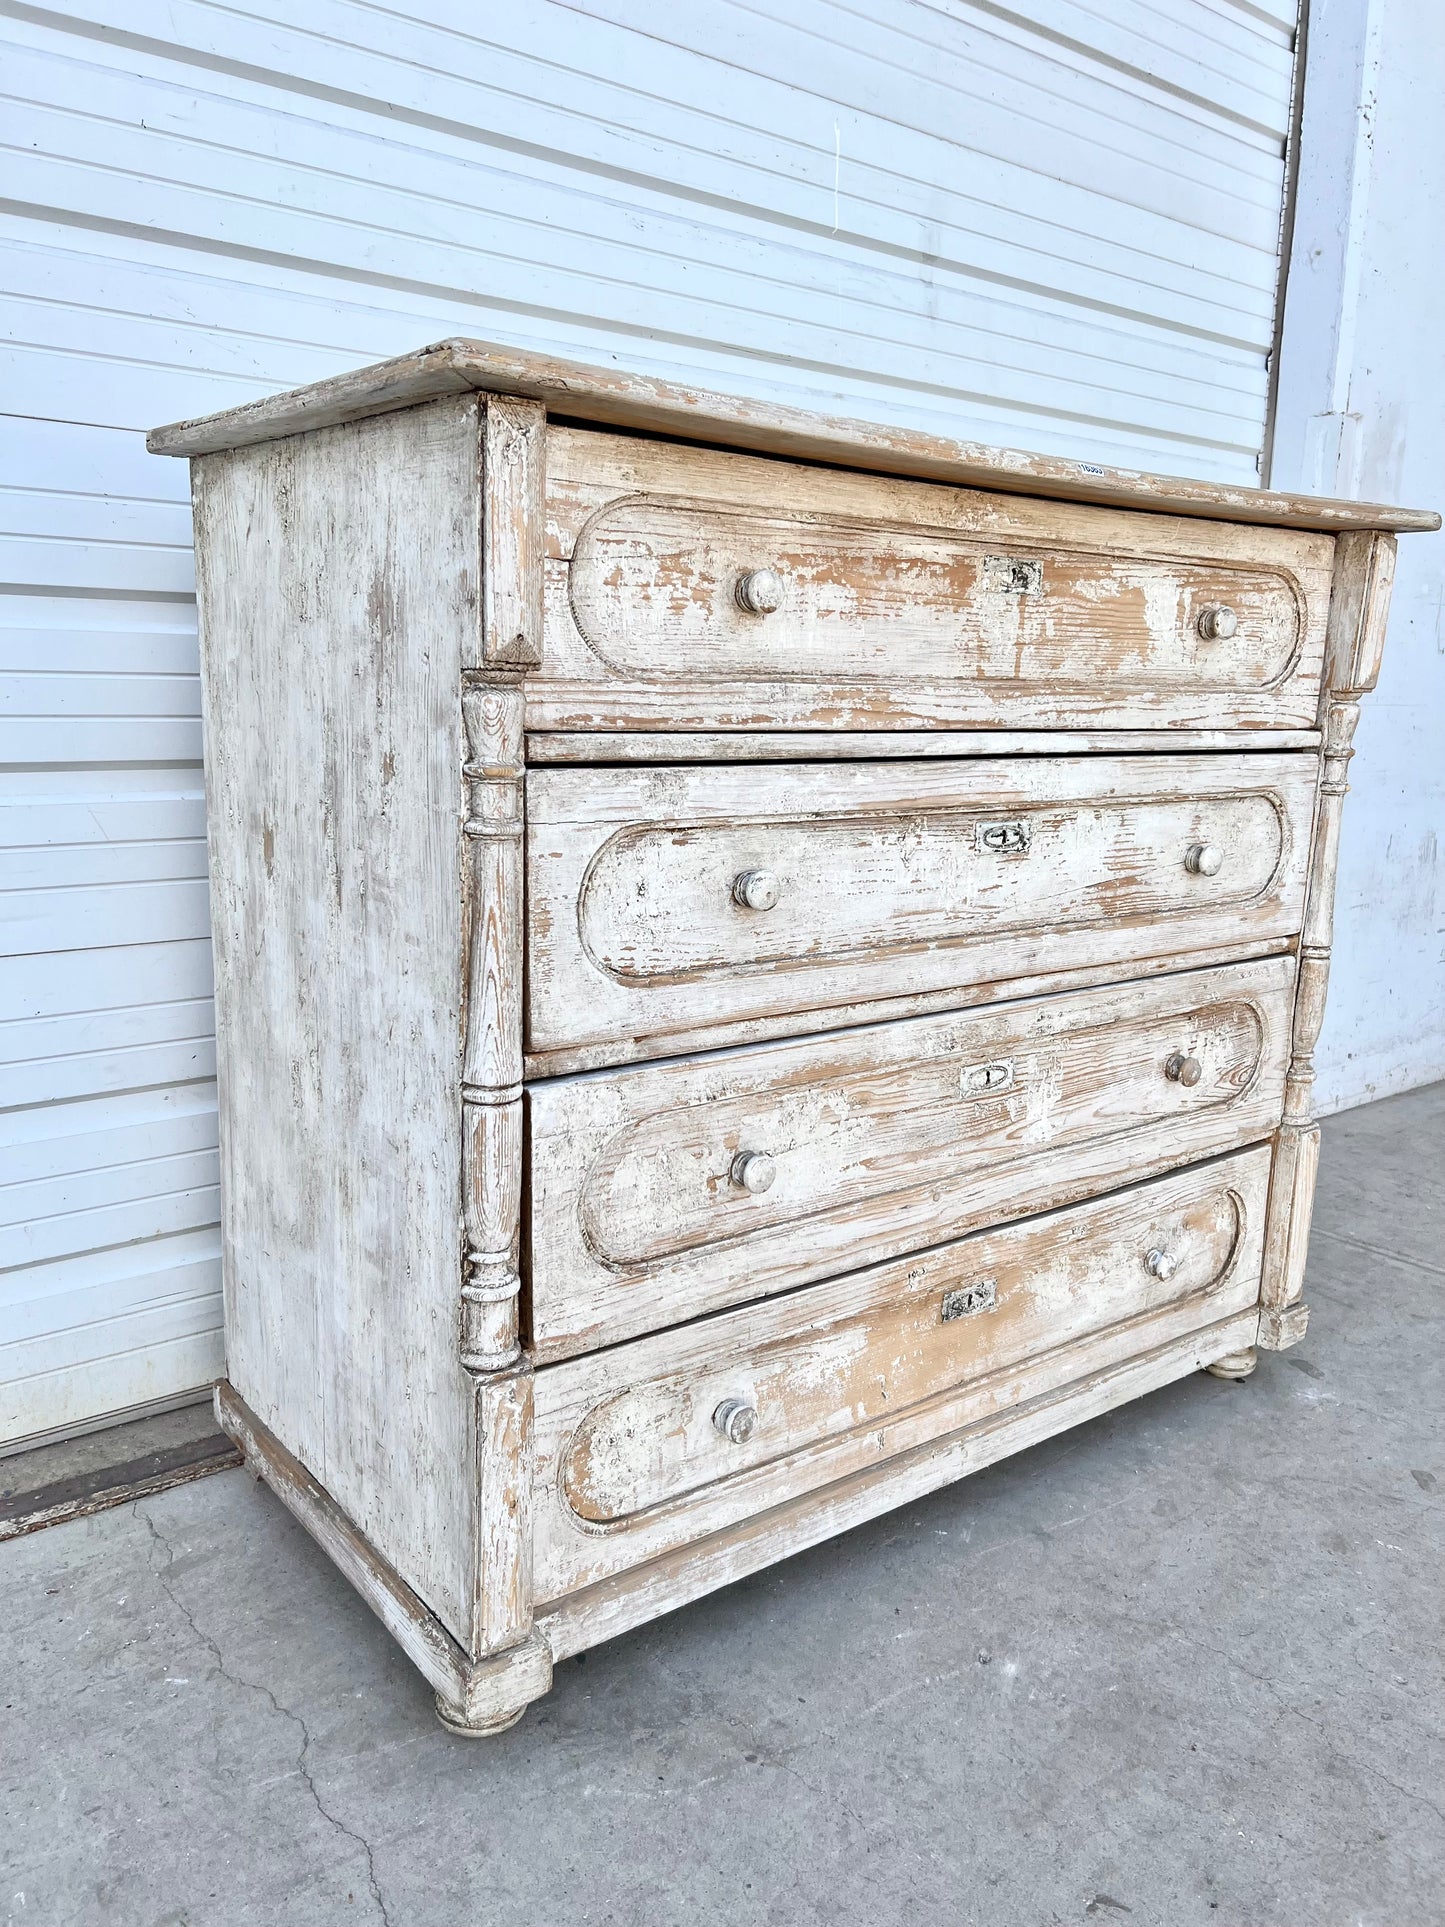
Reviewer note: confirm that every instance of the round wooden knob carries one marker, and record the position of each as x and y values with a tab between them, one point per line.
1160	1265
736	1420
756	889
754	1171
1204	859
760	592
1180	1069
1218	622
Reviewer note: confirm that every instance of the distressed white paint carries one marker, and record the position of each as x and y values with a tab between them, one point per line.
631	1465
1362	397
340	598
1056	233
883	1139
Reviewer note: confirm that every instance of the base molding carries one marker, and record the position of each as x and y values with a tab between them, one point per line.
473	1696
479	1697
1281	1326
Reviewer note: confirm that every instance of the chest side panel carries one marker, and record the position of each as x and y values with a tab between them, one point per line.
338	593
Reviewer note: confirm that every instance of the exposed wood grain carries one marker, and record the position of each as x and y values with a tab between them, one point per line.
502	1614
903	604
644	1592
847	1373
836	745
639	402
876	1010
885	1139
484	1695
492	1060
653	586
1359	610
499	1688
1364	575
889	879
979	826
513	448
424	1640
338	598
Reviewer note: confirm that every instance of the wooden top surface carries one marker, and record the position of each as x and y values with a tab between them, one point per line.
616	400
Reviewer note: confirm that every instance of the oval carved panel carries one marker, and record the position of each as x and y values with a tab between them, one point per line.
906	1332
663	1184
655	584
657	906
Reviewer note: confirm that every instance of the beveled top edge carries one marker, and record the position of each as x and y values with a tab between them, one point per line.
618	400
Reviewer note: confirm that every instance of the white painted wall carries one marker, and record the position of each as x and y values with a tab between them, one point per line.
1361	412
1052	224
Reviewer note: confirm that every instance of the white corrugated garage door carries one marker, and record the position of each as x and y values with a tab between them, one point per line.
1052	224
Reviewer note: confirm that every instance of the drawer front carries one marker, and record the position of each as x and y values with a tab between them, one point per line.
662	1193
707	588
645	1447
661	900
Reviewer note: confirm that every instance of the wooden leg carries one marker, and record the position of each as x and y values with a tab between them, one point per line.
498	1690
1234	1364
451	1718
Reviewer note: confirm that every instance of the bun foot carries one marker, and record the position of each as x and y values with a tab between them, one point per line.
1234	1364
452	1719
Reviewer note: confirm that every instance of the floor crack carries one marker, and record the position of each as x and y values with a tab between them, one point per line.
203	1638
1288	1706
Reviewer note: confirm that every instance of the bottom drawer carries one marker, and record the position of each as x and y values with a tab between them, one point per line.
653	1444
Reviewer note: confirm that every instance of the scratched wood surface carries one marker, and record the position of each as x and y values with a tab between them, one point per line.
884	1140
631	1461
626	399
890	879
868	745
901	604
588	1615
338	602
957	839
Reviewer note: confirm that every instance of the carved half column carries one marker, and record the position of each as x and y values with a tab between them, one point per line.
492	1056
1359	606
510	1662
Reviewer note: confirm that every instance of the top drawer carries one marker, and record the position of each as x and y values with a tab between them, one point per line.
694	589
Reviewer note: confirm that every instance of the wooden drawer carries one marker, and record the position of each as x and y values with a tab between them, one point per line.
690	589
632	1455
878	1141
661	901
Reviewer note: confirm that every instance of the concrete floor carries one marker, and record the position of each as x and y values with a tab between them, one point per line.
1178	1667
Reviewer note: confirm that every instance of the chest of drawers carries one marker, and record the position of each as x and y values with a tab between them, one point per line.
762	964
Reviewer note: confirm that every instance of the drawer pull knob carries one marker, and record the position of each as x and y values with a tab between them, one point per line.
760	592
756	889
754	1171
1218	622
1180	1069
736	1420
1204	859
1160	1265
